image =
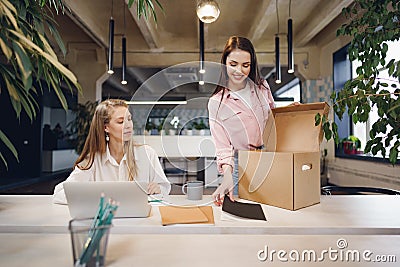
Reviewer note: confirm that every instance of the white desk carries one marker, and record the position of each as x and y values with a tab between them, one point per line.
335	215
44	250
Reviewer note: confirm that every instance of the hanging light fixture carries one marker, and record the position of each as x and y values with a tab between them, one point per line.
201	45
207	10
123	81
111	42
278	78
290	42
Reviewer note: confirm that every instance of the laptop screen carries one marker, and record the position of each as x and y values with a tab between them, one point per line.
83	198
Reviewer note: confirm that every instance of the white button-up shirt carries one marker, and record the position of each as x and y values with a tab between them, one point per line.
106	168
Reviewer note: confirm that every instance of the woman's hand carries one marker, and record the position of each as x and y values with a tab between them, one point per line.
294	104
153	188
225	187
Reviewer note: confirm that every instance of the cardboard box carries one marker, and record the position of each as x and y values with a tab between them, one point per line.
286	173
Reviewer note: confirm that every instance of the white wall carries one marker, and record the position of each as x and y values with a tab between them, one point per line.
363	173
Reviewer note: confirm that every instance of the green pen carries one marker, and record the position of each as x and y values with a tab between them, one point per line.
99	214
93	240
155	200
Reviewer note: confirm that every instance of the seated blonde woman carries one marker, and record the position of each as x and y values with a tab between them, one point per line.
110	154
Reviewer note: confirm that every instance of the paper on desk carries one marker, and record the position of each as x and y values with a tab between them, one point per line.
225	216
245	210
186	215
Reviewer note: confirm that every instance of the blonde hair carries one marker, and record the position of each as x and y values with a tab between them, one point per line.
96	139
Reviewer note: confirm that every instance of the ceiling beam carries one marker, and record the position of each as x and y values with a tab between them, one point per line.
146	27
266	13
325	12
77	15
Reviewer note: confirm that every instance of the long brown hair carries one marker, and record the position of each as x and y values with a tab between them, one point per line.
242	43
96	139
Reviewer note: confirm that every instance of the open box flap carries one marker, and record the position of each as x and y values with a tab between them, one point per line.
292	128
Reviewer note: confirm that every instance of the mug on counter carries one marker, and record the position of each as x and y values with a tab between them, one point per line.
194	190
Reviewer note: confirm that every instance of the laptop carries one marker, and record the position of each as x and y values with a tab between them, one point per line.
83	198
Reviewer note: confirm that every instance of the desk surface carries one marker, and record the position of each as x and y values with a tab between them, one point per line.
208	250
335	215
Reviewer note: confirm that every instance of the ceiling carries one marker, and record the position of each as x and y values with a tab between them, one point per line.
174	39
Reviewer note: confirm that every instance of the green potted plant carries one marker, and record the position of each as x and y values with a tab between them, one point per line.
189	128
200	127
29	55
149	127
351	145
160	127
371	24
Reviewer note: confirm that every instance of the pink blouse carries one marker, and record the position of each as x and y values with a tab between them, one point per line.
236	126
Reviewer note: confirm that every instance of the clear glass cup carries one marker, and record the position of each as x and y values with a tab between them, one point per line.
89	243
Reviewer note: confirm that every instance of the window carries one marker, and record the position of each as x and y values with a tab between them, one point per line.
345	70
288	93
361	130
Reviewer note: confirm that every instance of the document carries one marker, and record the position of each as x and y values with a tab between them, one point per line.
186	215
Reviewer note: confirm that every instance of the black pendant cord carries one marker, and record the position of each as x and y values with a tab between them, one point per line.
290	41
277	55
278	75
123	80
201	56
111	41
201	45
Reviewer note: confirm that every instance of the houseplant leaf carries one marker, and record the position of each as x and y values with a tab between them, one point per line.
9	145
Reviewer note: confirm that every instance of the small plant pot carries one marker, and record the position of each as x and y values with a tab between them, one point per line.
349	147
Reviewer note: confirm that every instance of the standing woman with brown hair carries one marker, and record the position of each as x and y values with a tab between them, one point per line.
238	110
110	154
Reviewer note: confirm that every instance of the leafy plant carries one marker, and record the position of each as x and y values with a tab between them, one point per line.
145	7
161	125
350	143
372	24
355	140
189	125
150	125
199	125
79	127
29	57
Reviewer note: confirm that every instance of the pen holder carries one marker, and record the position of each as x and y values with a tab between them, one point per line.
89	243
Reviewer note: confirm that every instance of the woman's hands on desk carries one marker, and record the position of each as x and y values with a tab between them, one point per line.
225	187
153	188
